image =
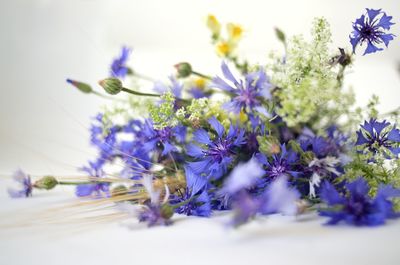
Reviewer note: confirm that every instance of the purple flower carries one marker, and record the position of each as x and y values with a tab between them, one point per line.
214	156
165	138
26	185
374	134
357	207
194	199
118	66
247	94
372	28
277	165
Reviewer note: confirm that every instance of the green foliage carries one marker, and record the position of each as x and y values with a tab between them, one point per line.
306	80
163	114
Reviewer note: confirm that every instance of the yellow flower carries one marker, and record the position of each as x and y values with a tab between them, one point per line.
224	48
243	116
213	24
200	82
235	31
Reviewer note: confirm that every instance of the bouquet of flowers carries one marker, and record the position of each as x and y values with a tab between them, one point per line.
281	137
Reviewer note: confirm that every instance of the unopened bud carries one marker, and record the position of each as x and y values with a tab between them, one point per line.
83	87
46	183
167	211
111	85
184	69
119	191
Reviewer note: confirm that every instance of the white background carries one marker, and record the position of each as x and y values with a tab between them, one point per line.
43	121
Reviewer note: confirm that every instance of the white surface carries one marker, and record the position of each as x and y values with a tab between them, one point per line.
43	120
272	240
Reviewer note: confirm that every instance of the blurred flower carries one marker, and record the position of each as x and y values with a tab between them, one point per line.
357	207
25	185
277	198
216	154
235	31
374	134
243	176
371	28
154	212
213	25
96	189
280	198
118	66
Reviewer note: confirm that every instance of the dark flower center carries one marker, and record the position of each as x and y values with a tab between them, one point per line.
164	134
220	149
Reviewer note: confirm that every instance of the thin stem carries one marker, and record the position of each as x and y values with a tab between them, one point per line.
75	183
201	75
133	92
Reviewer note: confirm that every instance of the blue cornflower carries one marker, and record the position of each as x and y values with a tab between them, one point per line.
98	189
216	155
284	163
357	207
374	134
118	66
194	198
247	94
372	28
26	185
165	138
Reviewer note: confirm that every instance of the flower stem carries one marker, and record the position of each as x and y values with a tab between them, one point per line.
201	75
133	92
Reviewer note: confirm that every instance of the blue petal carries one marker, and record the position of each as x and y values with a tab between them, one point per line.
194	150
372	13
168	148
217	126
220	83
194	182
200	167
84	190
386	38
361	139
385	22
394	135
329	194
379	126
201	136
228	74
371	48
358	187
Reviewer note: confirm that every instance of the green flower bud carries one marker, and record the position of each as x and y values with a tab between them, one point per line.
119	191
184	69
46	183
269	145
85	88
280	35
111	85
167	211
